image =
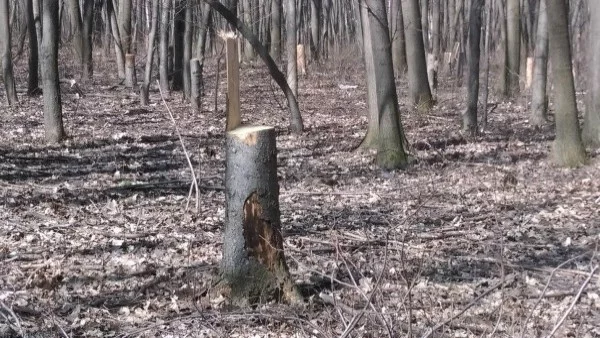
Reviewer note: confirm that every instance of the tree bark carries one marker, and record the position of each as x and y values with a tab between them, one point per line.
77	28
276	30
539	99
591	126
568	150
290	45
33	81
144	91
187	49
513	37
296	124
86	42
383	99
53	123
178	45
397	33
315	28
6	54
470	116
164	47
418	82
253	264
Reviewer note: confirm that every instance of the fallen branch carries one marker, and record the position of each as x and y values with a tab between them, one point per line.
575	300
509	280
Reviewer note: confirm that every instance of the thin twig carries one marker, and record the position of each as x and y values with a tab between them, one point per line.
575	300
187	155
468	306
546	288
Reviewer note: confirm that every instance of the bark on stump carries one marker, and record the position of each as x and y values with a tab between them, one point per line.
253	267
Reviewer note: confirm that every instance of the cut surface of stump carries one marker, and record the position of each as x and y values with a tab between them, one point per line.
253	268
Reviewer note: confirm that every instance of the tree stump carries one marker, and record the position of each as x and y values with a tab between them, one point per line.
253	268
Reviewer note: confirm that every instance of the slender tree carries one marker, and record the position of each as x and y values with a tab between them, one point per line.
164	47
6	54
568	148
296	124
276	29
33	80
420	92
513	37
397	36
385	129
591	126
315	28
539	99
53	123
290	45
150	52
470	116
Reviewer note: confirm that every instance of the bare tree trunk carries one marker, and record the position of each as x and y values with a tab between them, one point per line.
397	35
37	18
470	116
178	45
435	29
202	31
486	66
119	48
76	28
568	148
539	99
53	123
249	21
420	91
187	49
290	43
383	101
33	81
164	47
591	126
276	30
296	124
315	28
425	23
144	92
87	43
513	37
6	54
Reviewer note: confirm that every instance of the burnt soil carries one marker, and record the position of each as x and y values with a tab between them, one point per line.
97	238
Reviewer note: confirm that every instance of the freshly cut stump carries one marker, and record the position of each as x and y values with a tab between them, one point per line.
253	266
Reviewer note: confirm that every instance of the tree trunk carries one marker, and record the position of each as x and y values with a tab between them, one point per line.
568	150
187	49
33	81
315	28
591	126
420	91
513	37
144	93
178	45
249	21
76	28
164	47
6	54
253	264
486	65
86	42
276	30
383	99
397	32
539	99
296	124
53	123
470	116
119	48
196	84
290	44
435	29
202	31
425	23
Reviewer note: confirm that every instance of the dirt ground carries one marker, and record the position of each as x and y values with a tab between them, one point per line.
480	238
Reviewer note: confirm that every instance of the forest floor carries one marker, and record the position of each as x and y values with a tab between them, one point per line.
480	238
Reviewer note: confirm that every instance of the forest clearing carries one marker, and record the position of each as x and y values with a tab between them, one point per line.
121	225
